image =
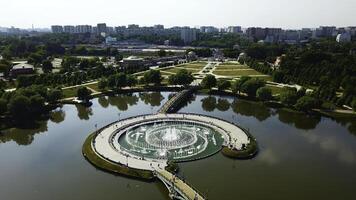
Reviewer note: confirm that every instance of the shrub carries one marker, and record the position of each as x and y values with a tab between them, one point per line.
251	86
306	103
223	85
264	93
353	104
208	82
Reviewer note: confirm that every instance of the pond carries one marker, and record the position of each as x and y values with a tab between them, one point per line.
300	156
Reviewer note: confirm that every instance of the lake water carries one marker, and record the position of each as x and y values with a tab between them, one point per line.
301	157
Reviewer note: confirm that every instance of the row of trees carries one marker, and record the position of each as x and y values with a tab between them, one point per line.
29	102
256	88
328	66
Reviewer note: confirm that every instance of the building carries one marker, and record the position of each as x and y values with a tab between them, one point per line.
343	37
120	29
208	29
256	33
325	31
57	29
133	26
21	69
158	26
69	29
188	35
132	64
101	28
234	29
110	40
83	29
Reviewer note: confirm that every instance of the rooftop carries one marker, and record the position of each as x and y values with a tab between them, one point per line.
22	66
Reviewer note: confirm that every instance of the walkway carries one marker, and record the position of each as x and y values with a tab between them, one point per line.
175	101
178	185
106	146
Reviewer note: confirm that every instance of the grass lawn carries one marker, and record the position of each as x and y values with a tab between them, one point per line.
276	90
247	72
231	67
164	73
94	86
193	65
71	92
176	69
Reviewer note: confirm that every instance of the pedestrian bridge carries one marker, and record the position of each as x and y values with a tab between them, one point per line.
173	104
178	189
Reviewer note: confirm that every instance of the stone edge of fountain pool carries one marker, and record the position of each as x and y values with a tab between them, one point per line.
138	168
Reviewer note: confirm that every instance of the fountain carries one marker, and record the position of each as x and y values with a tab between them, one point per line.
178	140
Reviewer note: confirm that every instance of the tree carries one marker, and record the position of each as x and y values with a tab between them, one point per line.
4	67
208	82
19	107
353	104
103	83
236	86
251	86
264	93
47	66
306	103
223	84
37	103
131	80
152	76
162	53
3	106
118	57
117	80
289	97
182	77
83	93
25	81
54	95
278	76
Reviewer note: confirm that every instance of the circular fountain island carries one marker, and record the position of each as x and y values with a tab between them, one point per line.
140	145
149	146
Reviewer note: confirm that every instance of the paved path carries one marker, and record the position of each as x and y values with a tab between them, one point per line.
179	185
172	103
105	143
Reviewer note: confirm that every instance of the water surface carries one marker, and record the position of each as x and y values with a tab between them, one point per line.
301	157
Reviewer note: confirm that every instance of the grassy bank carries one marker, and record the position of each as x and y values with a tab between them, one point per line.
100	163
247	153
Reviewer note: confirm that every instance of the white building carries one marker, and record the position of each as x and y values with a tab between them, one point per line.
188	35
110	40
234	29
343	37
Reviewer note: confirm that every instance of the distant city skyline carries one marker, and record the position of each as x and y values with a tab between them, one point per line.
223	13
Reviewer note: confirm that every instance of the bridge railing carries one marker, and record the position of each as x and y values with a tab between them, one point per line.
185	182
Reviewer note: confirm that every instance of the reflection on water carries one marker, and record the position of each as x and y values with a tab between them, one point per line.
152	98
305	153
23	136
251	109
84	112
299	120
57	116
223	104
208	103
122	102
103	101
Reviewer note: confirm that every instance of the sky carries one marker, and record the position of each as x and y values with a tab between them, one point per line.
220	13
